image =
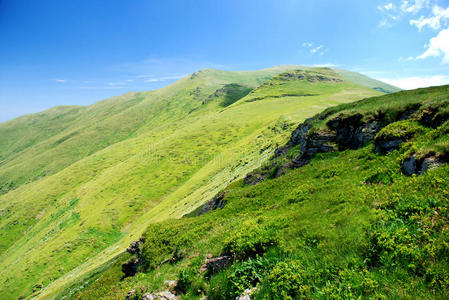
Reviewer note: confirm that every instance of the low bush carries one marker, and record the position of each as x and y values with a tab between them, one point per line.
286	281
251	239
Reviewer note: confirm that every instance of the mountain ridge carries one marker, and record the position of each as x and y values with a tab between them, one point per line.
153	156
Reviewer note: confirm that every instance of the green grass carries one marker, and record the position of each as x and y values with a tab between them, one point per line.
134	160
326	230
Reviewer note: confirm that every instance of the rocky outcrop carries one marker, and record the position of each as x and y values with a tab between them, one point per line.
253	179
420	166
213	265
433	116
135	247
130	268
215	203
349	131
387	146
346	132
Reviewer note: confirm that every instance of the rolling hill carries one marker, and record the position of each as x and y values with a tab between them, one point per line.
353	206
78	184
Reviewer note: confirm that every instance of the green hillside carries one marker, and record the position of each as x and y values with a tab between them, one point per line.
354	206
78	184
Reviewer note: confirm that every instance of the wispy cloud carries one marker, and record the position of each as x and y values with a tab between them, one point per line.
328	65
145	74
432	16
108	87
155	66
402	59
165	78
414	6
392	13
314	49
386	7
439	16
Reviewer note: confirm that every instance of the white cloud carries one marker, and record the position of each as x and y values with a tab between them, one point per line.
414	6
438	46
440	15
307	44
61	80
409	83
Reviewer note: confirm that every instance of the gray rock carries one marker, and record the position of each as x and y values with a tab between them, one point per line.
387	146
134	248
165	295
130	294
365	133
429	163
213	265
170	283
409	166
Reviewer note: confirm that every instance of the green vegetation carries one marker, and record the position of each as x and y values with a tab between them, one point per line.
329	229
135	160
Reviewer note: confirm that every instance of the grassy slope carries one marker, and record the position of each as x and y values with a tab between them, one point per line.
348	225
82	190
367	81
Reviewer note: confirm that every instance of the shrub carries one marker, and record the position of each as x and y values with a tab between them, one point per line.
164	242
249	240
286	281
239	277
402	130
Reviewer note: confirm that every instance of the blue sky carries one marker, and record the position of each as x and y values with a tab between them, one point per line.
65	52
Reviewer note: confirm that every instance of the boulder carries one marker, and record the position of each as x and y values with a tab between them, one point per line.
430	163
409	166
420	166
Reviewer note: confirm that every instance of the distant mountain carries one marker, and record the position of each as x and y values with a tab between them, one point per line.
78	184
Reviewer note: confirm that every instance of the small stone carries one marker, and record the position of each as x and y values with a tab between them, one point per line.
130	294
164	295
246	294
